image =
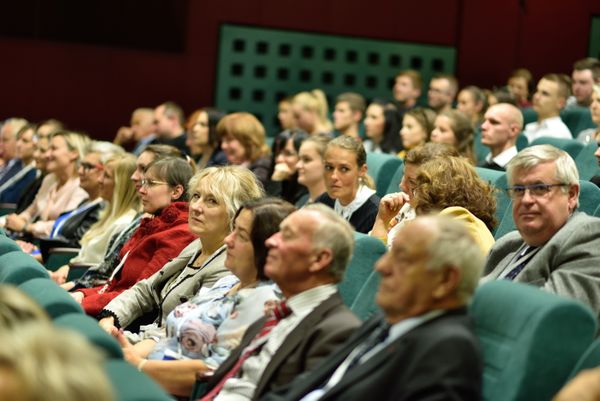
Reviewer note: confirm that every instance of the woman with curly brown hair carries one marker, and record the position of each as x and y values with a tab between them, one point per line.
452	187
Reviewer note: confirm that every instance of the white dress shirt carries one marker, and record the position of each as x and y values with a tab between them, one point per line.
553	127
242	388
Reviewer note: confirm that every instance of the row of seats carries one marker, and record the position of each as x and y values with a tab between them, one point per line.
24	272
532	341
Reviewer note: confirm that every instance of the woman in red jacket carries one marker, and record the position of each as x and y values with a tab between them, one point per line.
159	238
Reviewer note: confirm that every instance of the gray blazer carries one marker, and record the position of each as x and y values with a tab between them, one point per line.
167	288
568	264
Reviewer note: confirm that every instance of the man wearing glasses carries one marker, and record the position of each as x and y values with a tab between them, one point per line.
555	247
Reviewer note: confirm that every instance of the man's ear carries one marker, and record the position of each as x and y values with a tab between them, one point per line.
449	280
321	260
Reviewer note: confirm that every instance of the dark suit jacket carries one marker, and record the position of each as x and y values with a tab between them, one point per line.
438	360
363	218
311	341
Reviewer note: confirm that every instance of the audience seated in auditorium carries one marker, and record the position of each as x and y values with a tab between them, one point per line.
99	274
202	332
286	158
70	226
395	209
473	103
243	141
348	113
140	133
60	191
556	247
586	74
501	126
548	100
382	125
441	93
168	126
215	195
306	259
407	90
349	188
311	168
14	185
454	128
417	125
122	208
311	112
203	140
520	85
158	239
423	345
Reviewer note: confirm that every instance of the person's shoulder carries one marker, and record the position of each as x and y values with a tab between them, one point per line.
325	199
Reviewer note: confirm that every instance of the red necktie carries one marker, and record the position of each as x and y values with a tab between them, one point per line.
280	311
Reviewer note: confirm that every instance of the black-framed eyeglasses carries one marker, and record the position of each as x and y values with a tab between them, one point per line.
535	190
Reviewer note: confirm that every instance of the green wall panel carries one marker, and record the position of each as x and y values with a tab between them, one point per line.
594	50
257	67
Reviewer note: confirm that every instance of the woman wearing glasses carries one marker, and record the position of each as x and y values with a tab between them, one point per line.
163	191
215	196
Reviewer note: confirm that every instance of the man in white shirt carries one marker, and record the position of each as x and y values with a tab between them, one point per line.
423	347
306	259
502	124
549	99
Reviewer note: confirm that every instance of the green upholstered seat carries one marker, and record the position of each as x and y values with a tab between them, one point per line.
394	185
8	245
131	385
17	267
364	306
529	116
586	162
489	175
531	339
577	119
90	329
589	197
382	168
522	142
51	297
58	257
367	250
571	146
589	359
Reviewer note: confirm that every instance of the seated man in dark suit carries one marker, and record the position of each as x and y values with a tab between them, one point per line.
502	124
423	348
555	247
306	259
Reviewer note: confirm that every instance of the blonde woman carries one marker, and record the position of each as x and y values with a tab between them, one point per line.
311	112
123	205
60	191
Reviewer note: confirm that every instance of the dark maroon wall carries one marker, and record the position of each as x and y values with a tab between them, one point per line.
95	88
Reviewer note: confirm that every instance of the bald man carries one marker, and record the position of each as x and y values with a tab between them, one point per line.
501	126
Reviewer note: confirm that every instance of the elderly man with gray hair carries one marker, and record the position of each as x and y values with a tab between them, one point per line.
306	259
423	346
555	247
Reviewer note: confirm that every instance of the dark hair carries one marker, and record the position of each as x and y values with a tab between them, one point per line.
267	213
214	116
391	141
173	109
174	171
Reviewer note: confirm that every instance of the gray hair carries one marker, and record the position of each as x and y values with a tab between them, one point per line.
230	185
106	150
15	123
451	244
528	158
334	233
